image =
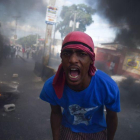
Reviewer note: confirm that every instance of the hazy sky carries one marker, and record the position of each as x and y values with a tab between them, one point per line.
32	19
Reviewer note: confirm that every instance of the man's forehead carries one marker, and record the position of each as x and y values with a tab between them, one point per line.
72	50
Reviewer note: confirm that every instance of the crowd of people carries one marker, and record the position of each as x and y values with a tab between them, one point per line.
13	51
10	51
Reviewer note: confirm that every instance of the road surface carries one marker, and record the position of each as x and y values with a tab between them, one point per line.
30	120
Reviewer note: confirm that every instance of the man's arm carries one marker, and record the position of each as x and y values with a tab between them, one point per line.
112	122
56	117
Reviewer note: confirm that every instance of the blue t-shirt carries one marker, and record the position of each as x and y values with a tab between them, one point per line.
84	111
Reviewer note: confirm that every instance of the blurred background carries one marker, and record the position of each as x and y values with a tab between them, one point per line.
31	35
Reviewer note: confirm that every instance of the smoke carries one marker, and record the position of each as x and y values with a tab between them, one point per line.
27	12
23	8
1	48
102	66
124	15
130	94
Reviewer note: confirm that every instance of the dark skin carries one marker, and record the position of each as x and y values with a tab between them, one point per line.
73	58
77	59
56	117
112	123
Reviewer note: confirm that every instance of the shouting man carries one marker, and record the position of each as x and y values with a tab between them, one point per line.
82	91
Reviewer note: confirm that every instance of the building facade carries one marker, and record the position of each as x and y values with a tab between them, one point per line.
119	59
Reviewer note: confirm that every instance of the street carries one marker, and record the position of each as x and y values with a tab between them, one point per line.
31	118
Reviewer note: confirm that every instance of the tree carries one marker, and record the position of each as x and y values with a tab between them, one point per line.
28	40
84	17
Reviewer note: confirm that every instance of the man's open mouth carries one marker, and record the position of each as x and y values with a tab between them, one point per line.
74	73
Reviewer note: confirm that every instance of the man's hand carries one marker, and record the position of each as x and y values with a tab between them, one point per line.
112	122
56	117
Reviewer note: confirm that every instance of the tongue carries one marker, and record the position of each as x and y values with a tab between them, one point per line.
74	73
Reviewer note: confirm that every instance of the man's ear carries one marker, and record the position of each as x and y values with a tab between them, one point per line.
91	62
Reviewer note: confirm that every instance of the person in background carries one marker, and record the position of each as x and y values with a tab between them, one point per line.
112	66
5	51
23	51
13	50
8	51
28	52
1	51
82	91
16	53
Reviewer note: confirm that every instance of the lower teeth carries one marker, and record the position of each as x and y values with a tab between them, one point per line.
73	76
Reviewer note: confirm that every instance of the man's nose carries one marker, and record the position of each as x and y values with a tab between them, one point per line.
73	58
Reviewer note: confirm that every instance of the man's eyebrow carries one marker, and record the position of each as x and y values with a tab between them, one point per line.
77	51
80	51
67	50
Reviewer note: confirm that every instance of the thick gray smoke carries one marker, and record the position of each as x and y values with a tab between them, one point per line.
27	12
123	14
23	8
1	48
130	94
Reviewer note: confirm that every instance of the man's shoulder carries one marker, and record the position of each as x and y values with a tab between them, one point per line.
48	82
105	78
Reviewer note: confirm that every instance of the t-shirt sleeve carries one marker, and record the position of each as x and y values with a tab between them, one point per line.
112	99
47	94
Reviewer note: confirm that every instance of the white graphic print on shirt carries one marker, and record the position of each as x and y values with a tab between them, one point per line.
79	114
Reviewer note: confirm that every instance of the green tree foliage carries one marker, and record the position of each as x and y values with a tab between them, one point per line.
84	17
28	40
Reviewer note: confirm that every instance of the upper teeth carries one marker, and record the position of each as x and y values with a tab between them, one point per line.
73	69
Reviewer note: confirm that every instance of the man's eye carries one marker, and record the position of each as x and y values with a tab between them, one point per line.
66	54
83	54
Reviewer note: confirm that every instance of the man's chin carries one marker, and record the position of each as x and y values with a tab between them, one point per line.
73	82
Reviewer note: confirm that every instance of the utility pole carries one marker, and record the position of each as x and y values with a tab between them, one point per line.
54	33
75	14
15	36
47	46
73	23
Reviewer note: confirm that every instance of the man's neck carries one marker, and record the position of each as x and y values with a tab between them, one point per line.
81	86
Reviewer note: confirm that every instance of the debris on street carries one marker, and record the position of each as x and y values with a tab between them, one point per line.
15	75
9	107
